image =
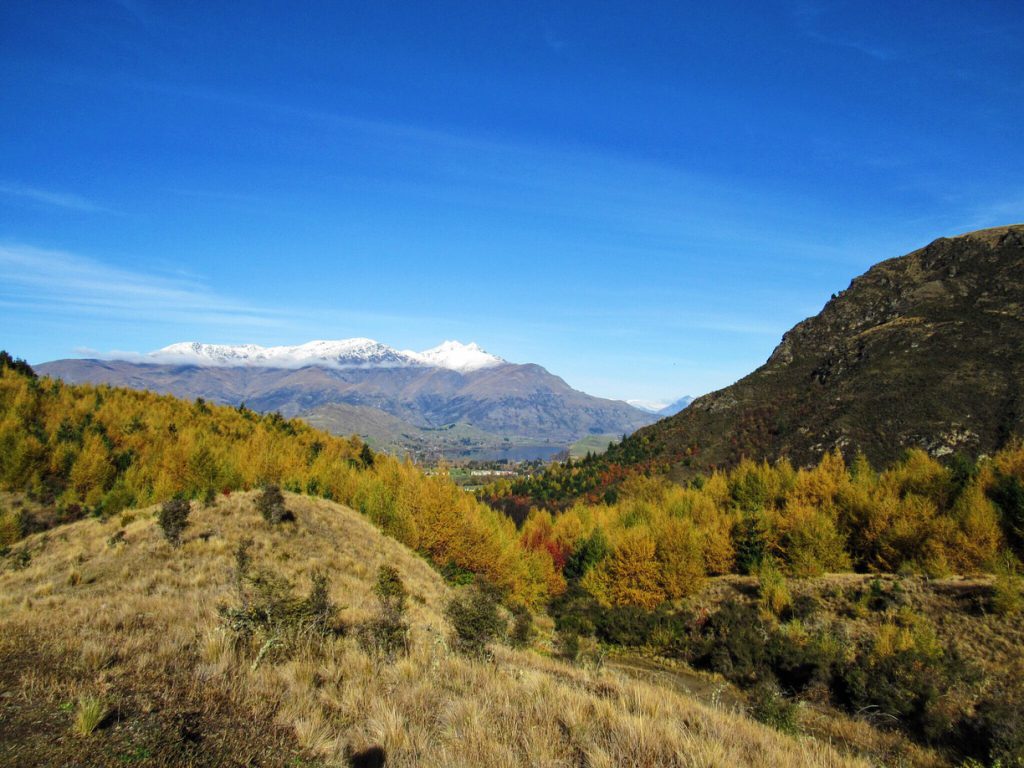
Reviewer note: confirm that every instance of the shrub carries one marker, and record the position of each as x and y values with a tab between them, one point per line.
173	519
21	558
12	527
1007	597
770	706
567	644
522	627
269	612
270	504
1008	493
775	596
475	619
997	729
388	632
732	643
89	713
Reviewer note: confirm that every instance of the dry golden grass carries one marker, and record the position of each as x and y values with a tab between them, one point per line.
141	610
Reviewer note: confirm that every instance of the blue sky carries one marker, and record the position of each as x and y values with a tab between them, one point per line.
641	197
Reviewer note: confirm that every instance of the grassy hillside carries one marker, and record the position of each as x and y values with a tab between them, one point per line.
591	444
112	632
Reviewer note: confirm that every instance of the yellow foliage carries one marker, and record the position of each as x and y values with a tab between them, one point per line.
680	557
629	575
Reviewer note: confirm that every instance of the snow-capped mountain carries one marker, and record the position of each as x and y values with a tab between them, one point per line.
662	409
502	404
648	406
456	356
341	353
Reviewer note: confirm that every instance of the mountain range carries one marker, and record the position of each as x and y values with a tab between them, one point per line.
662	409
922	351
455	399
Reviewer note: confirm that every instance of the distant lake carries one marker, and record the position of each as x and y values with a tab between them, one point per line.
514	453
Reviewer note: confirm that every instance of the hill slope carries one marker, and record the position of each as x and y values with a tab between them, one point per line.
925	350
109	610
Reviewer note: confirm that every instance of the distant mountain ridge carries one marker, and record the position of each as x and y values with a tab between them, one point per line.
924	350
662	408
517	405
340	353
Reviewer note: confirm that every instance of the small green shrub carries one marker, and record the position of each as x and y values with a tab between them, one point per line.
770	706
567	644
20	558
774	593
89	714
997	729
270	504
1007	596
522	627
269	613
388	632
173	519
473	613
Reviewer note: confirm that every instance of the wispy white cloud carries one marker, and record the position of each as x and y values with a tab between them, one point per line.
61	283
59	199
809	19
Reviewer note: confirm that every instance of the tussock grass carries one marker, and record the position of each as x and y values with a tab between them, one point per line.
150	613
89	713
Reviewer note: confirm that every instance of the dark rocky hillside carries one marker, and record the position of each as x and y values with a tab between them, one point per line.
925	350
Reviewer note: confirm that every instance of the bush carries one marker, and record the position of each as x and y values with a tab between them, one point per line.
522	627
770	706
269	612
173	519
997	729
732	643
1008	493
567	644
475	619
388	632
1007	597
775	596
270	504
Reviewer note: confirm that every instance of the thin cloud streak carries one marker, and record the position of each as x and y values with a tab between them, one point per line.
49	284
58	199
58	282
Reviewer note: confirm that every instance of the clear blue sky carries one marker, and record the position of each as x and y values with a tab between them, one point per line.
639	196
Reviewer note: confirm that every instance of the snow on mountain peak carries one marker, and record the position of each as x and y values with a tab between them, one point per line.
456	356
339	353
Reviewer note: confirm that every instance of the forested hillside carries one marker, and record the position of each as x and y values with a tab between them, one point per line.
94	450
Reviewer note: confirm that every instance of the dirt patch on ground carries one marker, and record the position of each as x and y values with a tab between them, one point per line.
158	721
